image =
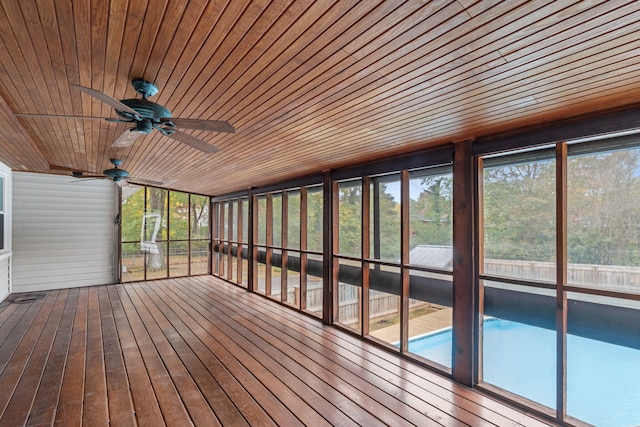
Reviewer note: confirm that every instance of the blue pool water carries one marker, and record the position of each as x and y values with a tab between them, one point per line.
603	380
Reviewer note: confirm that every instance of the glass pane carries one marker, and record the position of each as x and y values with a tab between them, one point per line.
132	262
603	360
430	213
349	293
132	213
155	216
215	258
157	262
199	217
234	221
245	220
234	264
293	220
225	219
431	316
385	218
384	303
178	259
178	215
293	279
519	218
199	257
261	211
261	273
276	275
222	270
350	219
245	269
519	341
603	231
313	277
277	219
314	219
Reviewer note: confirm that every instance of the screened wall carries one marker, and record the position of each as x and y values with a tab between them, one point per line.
164	234
512	266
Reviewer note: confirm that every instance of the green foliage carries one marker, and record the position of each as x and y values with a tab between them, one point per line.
349	219
431	212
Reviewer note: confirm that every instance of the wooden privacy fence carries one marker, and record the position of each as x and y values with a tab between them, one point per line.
616	277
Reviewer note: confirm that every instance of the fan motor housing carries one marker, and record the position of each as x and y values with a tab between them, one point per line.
146	109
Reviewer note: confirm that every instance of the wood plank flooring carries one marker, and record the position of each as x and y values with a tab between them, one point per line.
199	351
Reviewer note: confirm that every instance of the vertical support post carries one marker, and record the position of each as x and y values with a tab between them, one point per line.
267	279
365	250
404	261
239	215
252	276
118	236
561	279
328	235
464	286
284	255
231	216
302	302
213	235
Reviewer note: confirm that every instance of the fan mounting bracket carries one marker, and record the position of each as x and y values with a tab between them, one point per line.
144	88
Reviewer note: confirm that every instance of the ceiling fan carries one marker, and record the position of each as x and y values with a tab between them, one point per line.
147	115
117	175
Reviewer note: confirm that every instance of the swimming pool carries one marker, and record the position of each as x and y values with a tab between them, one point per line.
603	380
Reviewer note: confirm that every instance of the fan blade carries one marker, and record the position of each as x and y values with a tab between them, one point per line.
126	139
141	181
194	142
51	116
122	183
211	125
107	99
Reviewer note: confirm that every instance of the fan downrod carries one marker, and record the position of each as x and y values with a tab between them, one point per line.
144	88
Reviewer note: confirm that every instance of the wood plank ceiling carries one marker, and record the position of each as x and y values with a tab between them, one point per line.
309	85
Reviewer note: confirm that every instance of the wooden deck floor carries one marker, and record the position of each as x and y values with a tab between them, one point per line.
198	350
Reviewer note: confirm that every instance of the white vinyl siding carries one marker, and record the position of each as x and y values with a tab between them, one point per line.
64	233
5	235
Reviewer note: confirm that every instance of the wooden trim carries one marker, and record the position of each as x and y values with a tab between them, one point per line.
588	126
284	215
479	267
329	239
365	241
252	239
561	278
269	250
304	181
231	216
405	231
240	226
304	223
464	304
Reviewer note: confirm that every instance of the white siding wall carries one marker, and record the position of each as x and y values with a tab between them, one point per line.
63	232
6	253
